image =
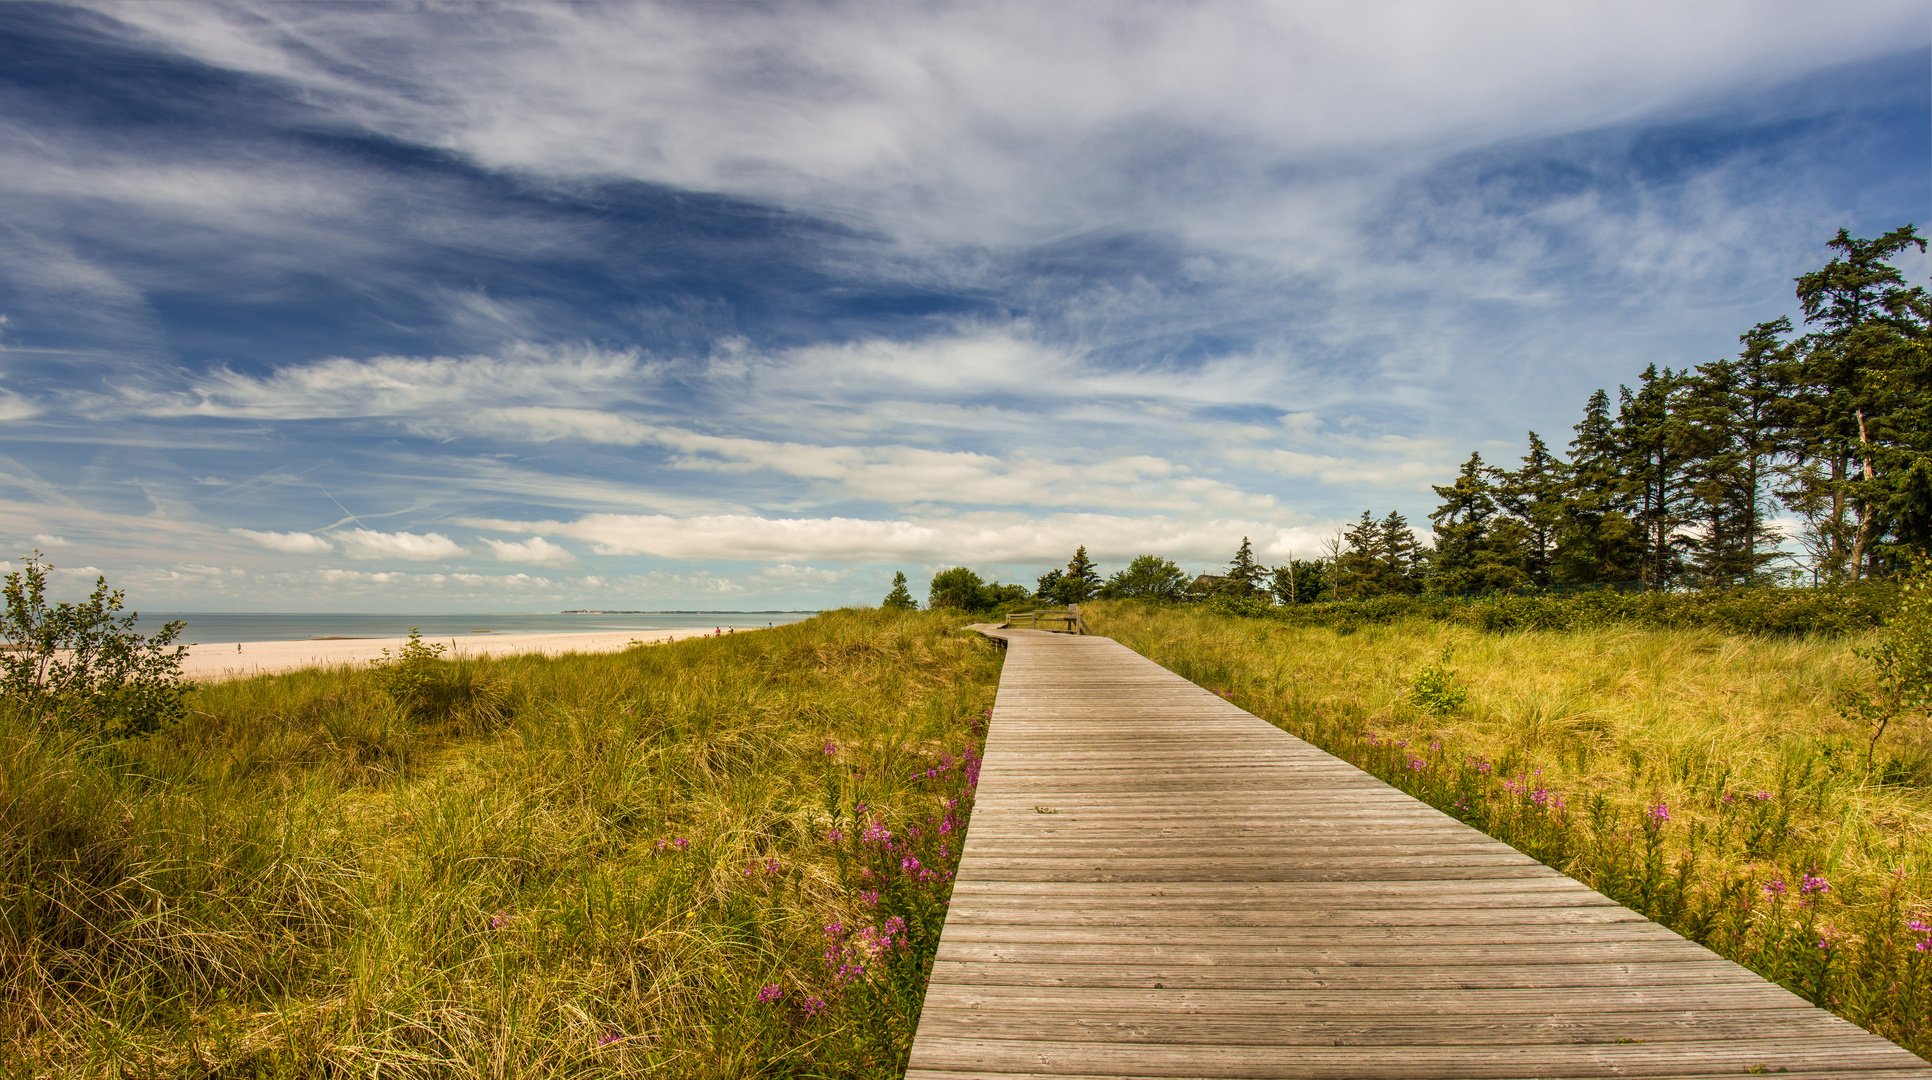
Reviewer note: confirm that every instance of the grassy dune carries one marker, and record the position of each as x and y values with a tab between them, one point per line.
720	857
1705	779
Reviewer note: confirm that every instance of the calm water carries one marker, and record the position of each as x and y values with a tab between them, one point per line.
213	626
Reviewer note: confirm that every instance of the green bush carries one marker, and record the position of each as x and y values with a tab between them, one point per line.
1765	610
84	666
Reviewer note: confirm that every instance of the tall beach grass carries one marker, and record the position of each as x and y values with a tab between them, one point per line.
1704	778
719	857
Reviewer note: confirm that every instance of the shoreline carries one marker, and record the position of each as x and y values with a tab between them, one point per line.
219	661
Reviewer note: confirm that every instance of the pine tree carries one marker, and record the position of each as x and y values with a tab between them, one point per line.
1302	581
899	599
1357	571
1535	496
1860	411
1400	555
1080	582
1244	575
1474	551
1599	542
1655	446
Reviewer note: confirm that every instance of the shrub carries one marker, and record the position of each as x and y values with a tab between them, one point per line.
84	665
1902	660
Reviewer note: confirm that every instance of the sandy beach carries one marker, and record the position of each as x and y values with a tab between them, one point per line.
235	660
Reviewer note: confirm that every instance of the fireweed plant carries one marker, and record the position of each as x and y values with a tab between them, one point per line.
1705	780
722	857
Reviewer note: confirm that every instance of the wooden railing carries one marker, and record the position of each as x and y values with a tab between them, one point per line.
1066	620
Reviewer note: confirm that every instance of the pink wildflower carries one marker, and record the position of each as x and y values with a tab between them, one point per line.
1774	887
769	995
1813	885
813	1006
1659	813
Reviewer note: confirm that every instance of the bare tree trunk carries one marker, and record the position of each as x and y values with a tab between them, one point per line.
1864	517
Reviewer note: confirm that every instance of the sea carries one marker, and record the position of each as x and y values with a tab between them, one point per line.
208	627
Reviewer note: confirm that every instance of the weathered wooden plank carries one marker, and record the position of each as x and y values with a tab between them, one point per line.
1158	884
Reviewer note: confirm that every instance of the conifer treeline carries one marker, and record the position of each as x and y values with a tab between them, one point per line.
1674	484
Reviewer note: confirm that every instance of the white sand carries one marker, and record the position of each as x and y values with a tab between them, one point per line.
211	662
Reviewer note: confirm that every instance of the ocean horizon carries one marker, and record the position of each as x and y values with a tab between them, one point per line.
206	627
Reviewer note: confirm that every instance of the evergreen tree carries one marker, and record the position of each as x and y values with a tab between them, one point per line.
899	599
1302	581
1080	582
1599	542
1860	410
1357	570
1474	552
1400	555
1652	433
1244	575
1535	496
1049	590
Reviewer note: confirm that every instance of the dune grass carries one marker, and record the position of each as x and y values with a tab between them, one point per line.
719	857
1705	779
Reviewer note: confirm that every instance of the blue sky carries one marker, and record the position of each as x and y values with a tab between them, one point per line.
368	308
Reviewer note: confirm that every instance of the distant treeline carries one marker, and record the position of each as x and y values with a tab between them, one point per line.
1672	488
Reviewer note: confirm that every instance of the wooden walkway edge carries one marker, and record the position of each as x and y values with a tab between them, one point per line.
1156	883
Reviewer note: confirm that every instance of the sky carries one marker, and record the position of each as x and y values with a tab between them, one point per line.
741	306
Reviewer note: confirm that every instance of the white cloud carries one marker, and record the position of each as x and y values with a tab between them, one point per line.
416	547
536	551
998	119
50	540
399	386
965	538
294	543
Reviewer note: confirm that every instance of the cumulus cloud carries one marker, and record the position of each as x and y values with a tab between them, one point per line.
536	551
416	547
294	543
50	540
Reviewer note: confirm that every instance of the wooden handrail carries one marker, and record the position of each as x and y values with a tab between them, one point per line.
1069	616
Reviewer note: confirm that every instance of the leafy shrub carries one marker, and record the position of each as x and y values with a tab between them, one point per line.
1902	660
84	665
1437	690
1766	610
431	689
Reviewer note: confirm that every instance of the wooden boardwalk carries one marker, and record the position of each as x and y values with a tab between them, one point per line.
1156	883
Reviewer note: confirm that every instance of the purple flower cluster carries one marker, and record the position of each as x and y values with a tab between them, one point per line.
1774	887
1659	813
1918	926
770	995
1813	885
680	843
